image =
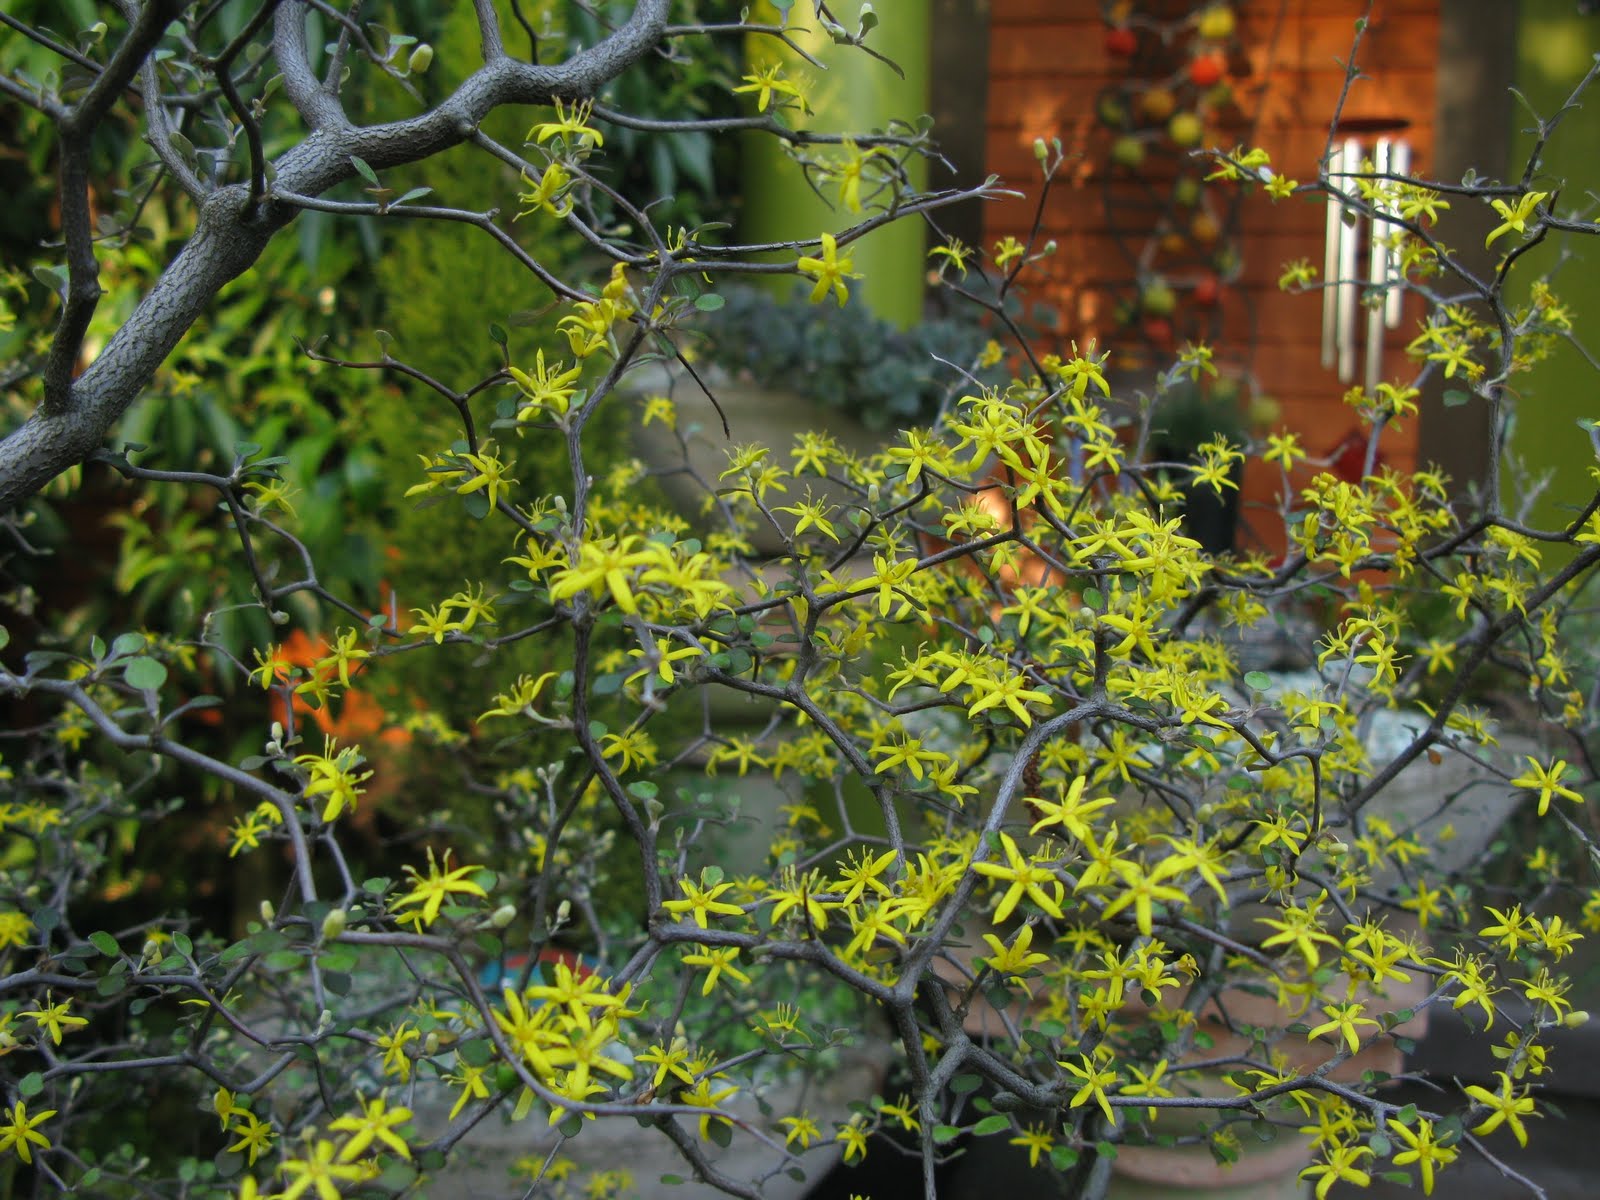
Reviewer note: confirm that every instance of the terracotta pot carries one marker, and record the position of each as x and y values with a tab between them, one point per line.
1268	1171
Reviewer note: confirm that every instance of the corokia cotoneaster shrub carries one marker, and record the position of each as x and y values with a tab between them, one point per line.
1019	806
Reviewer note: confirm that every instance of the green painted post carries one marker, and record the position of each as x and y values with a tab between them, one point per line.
857	93
1555	46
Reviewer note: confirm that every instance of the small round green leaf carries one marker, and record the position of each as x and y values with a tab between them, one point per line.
146	674
127	643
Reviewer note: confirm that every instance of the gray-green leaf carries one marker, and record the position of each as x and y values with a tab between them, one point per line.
146	674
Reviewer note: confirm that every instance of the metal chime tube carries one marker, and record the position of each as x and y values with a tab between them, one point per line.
1349	255
1378	261
1330	266
1399	164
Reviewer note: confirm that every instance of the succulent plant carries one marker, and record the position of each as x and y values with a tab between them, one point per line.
844	358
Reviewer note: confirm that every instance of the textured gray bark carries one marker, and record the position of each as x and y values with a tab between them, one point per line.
232	233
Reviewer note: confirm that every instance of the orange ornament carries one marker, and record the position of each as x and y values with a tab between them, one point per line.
1204	228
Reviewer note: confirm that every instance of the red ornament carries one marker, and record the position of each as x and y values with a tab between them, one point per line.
1159	331
1207	291
1121	42
1207	70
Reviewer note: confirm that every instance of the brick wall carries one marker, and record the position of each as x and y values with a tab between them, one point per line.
1049	65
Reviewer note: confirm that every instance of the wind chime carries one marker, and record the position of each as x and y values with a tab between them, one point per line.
1360	267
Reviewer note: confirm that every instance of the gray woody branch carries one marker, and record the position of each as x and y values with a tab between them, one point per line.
231	233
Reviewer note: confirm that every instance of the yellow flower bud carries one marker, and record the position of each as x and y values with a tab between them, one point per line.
334	924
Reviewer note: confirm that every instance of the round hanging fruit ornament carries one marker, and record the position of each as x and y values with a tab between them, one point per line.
1186	192
1207	70
1263	411
1158	300
1186	130
1112	111
1215	23
1204	228
1128	151
1159	331
1173	243
1207	291
1121	43
1158	104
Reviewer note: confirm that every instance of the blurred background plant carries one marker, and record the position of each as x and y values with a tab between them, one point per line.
114	551
692	174
844	357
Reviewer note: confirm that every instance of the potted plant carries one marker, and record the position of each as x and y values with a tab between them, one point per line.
1187	415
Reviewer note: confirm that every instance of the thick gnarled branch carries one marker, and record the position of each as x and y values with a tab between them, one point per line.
232	233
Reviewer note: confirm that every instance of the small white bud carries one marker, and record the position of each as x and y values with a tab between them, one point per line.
502	916
269	914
